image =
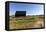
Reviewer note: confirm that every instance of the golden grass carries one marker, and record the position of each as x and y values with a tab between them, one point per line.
24	22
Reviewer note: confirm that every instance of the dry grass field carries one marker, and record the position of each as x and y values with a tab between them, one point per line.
26	22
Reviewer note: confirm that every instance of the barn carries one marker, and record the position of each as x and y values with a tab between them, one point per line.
20	13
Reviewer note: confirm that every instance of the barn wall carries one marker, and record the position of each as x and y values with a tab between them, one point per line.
20	13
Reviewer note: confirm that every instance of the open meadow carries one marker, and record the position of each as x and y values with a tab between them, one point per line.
26	22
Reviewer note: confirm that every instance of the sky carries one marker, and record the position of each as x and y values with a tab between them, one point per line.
31	9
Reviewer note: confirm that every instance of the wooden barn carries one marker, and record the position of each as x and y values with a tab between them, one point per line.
20	13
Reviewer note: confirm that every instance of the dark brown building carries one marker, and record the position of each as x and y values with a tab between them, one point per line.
20	13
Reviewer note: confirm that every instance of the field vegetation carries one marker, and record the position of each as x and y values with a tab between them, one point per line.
26	22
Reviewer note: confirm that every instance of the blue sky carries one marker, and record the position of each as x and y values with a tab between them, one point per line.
31	9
